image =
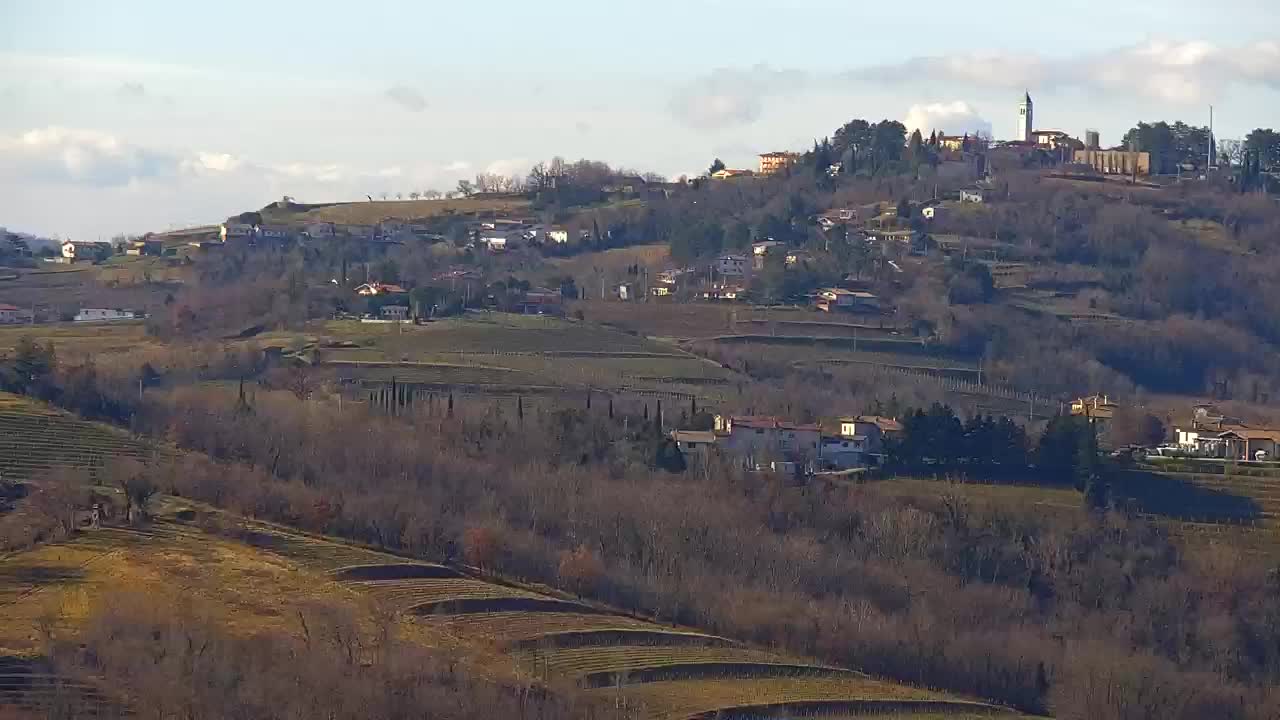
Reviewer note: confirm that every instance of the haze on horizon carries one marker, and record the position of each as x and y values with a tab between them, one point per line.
142	115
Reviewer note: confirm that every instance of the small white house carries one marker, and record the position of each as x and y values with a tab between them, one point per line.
933	212
495	242
104	315
558	235
973	195
397	313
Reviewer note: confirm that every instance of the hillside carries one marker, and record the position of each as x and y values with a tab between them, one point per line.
35	439
255	575
373	212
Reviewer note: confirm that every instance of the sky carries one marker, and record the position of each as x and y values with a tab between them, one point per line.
137	115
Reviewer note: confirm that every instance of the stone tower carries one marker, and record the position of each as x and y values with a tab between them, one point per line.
1026	122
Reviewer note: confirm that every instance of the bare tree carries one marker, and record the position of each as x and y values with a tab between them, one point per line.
415	195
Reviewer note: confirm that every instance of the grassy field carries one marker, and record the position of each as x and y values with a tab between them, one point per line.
653	257
369	213
503	353
77	341
64	289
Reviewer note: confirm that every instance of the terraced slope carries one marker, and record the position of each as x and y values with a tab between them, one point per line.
261	573
35	438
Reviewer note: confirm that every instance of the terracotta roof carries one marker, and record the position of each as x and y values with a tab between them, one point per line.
764	422
8	307
693	436
1253	434
886	424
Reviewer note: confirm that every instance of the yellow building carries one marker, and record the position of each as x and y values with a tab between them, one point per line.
774	162
1115	162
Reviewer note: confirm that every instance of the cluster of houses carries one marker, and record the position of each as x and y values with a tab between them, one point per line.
1213	434
773	444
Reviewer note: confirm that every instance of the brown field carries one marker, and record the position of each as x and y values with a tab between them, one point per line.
653	257
67	289
78	341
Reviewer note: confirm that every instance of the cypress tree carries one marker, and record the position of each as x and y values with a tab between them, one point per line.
450	411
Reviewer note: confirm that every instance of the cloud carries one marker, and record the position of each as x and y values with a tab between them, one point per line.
85	157
953	118
131	91
729	97
1185	72
407	98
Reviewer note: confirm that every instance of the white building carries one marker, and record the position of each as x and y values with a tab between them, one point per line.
104	315
234	231
558	235
1026	120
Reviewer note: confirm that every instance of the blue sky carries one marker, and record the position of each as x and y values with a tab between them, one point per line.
136	115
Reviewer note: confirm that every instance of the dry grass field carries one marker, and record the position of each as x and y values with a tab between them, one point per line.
369	213
256	576
653	257
76	342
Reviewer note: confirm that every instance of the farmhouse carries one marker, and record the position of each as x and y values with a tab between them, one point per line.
760	439
92	251
541	301
694	444
558	235
371	289
831	299
12	315
277	233
1250	444
973	195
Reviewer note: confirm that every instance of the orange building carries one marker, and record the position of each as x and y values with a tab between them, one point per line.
772	163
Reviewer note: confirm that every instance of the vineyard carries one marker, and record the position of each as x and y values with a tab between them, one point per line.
35	439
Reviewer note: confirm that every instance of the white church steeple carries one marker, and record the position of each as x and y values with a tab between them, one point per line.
1026	122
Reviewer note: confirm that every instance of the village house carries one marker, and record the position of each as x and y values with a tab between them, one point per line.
376	288
13	315
722	291
759	440
1250	444
933	212
541	301
73	251
1098	409
889	427
772	163
275	233
731	265
973	195
229	231
695	445
557	235
661	290
496	241
830	299
149	247
798	258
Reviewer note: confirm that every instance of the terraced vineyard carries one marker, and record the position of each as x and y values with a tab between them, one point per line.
35	438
